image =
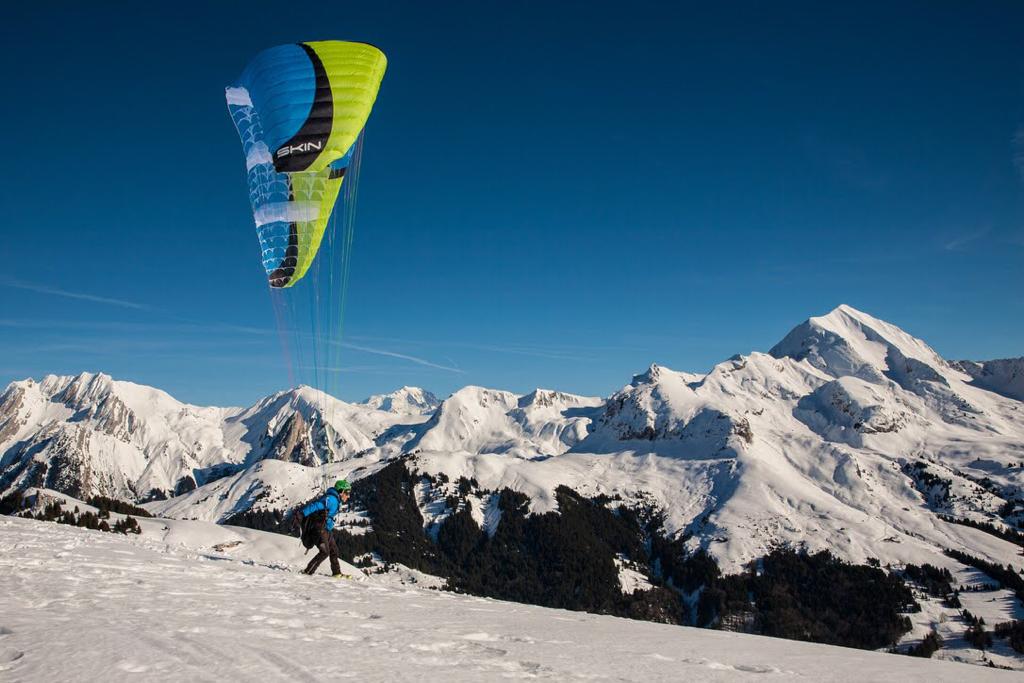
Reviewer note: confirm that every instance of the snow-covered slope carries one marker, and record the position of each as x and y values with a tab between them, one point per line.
1004	376
106	607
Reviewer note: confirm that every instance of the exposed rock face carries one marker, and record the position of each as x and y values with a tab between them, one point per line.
292	442
93	399
11	409
69	470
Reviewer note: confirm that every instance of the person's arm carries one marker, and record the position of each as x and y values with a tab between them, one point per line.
332	506
313	507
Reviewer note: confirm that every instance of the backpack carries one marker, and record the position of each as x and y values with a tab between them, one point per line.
311	527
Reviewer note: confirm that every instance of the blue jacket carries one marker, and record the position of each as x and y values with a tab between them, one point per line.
331	502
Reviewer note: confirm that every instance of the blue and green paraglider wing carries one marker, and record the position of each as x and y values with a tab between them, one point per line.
300	110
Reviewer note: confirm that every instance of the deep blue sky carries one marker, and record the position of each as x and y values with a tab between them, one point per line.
553	194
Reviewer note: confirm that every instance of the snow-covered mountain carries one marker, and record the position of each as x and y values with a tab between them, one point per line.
91	435
849	434
404	401
479	420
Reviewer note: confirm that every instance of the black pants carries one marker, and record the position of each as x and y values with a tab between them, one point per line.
326	547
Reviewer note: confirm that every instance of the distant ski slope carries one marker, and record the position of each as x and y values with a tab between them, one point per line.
88	606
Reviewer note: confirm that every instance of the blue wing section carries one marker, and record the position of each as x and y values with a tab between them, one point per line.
268	189
282	84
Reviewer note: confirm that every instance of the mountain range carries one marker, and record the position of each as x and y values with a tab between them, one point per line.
849	435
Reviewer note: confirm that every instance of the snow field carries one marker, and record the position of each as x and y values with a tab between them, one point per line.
85	605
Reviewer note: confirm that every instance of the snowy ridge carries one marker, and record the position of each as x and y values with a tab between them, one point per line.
1004	376
480	420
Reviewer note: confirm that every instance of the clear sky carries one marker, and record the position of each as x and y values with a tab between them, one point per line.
552	194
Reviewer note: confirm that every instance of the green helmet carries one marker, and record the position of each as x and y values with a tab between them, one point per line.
342	485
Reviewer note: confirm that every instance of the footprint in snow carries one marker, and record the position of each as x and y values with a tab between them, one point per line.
520	669
745	668
275	635
481	637
8	657
757	669
432	647
372	627
11	655
344	637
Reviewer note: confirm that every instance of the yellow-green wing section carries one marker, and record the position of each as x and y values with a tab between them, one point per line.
319	190
355	71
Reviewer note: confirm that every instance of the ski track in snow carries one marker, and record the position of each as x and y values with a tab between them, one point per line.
87	605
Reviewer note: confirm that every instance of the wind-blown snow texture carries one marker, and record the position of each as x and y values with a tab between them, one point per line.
85	605
850	434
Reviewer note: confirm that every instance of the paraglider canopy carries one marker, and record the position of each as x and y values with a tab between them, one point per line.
300	110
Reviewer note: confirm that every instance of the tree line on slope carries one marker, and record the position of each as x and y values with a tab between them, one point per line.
1008	535
569	559
14	504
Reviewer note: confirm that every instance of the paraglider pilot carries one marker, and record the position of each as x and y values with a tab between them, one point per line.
316	522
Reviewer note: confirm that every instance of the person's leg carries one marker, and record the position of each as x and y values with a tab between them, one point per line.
317	559
332	547
323	551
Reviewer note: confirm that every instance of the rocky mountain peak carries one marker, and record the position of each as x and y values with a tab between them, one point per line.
649	376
